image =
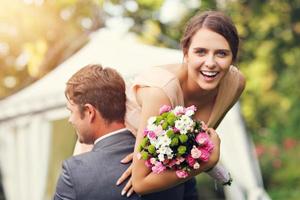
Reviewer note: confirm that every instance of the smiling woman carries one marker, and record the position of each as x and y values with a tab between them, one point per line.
205	79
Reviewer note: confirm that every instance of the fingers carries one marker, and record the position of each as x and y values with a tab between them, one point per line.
125	175
128	189
127	159
211	131
213	135
204	126
130	192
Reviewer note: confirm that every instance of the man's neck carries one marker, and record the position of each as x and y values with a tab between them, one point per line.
111	127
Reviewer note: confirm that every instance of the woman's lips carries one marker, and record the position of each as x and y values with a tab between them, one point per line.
209	75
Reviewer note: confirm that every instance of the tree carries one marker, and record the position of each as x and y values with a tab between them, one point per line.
37	36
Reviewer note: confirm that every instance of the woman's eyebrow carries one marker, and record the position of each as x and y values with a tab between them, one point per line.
227	50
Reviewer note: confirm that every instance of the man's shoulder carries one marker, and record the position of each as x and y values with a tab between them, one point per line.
121	143
80	160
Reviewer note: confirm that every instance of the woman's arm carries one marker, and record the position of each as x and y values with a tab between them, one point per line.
240	89
143	180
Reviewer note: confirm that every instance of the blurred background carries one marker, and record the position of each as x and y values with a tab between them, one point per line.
37	35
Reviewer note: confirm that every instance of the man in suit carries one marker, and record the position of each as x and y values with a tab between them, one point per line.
96	100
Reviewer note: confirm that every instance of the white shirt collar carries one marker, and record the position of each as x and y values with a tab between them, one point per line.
110	134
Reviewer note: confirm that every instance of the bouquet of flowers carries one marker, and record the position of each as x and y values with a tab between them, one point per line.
173	140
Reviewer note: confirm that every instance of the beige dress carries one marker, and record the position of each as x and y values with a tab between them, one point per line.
168	82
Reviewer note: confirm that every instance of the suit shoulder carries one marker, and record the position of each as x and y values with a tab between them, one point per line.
77	161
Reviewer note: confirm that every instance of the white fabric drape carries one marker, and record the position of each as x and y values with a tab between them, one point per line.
24	158
8	160
238	156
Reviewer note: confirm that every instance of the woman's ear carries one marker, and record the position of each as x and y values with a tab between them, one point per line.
90	111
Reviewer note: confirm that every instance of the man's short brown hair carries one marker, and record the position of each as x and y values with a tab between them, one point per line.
104	88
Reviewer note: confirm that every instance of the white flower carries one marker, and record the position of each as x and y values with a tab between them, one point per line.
187	120
151	120
189	113
184	124
152	127
153	141
178	110
196	165
170	156
165	150
152	161
163	140
161	157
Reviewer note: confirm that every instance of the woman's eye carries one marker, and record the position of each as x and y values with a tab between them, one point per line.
222	54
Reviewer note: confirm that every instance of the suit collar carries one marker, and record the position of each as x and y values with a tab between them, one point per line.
112	139
109	134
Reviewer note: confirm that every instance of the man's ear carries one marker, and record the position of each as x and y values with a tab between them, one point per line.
90	112
185	58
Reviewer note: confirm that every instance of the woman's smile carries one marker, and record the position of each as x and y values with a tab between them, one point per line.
209	76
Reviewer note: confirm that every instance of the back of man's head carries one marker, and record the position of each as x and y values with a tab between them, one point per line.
104	88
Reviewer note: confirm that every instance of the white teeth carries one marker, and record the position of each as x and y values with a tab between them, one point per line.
208	73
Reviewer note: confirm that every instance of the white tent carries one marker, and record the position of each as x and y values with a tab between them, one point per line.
25	132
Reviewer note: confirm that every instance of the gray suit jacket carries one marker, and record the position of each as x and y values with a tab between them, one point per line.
93	175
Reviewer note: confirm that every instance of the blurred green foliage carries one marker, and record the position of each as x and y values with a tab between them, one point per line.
62	145
35	37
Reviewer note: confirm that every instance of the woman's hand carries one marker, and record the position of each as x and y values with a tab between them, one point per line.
215	156
128	189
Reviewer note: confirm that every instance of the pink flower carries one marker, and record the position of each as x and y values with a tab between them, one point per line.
164	109
151	135
181	173
179	160
202	138
195	152
289	143
148	163
145	132
176	130
190	160
166	161
139	156
172	163
159	130
192	108
158	168
204	155
260	150
208	147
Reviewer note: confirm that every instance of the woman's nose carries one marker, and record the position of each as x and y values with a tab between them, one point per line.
210	61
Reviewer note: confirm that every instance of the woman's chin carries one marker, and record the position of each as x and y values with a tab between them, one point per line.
208	85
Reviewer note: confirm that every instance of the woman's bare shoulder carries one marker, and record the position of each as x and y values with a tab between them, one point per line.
242	84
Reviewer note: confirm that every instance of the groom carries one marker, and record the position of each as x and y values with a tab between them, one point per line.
96	100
